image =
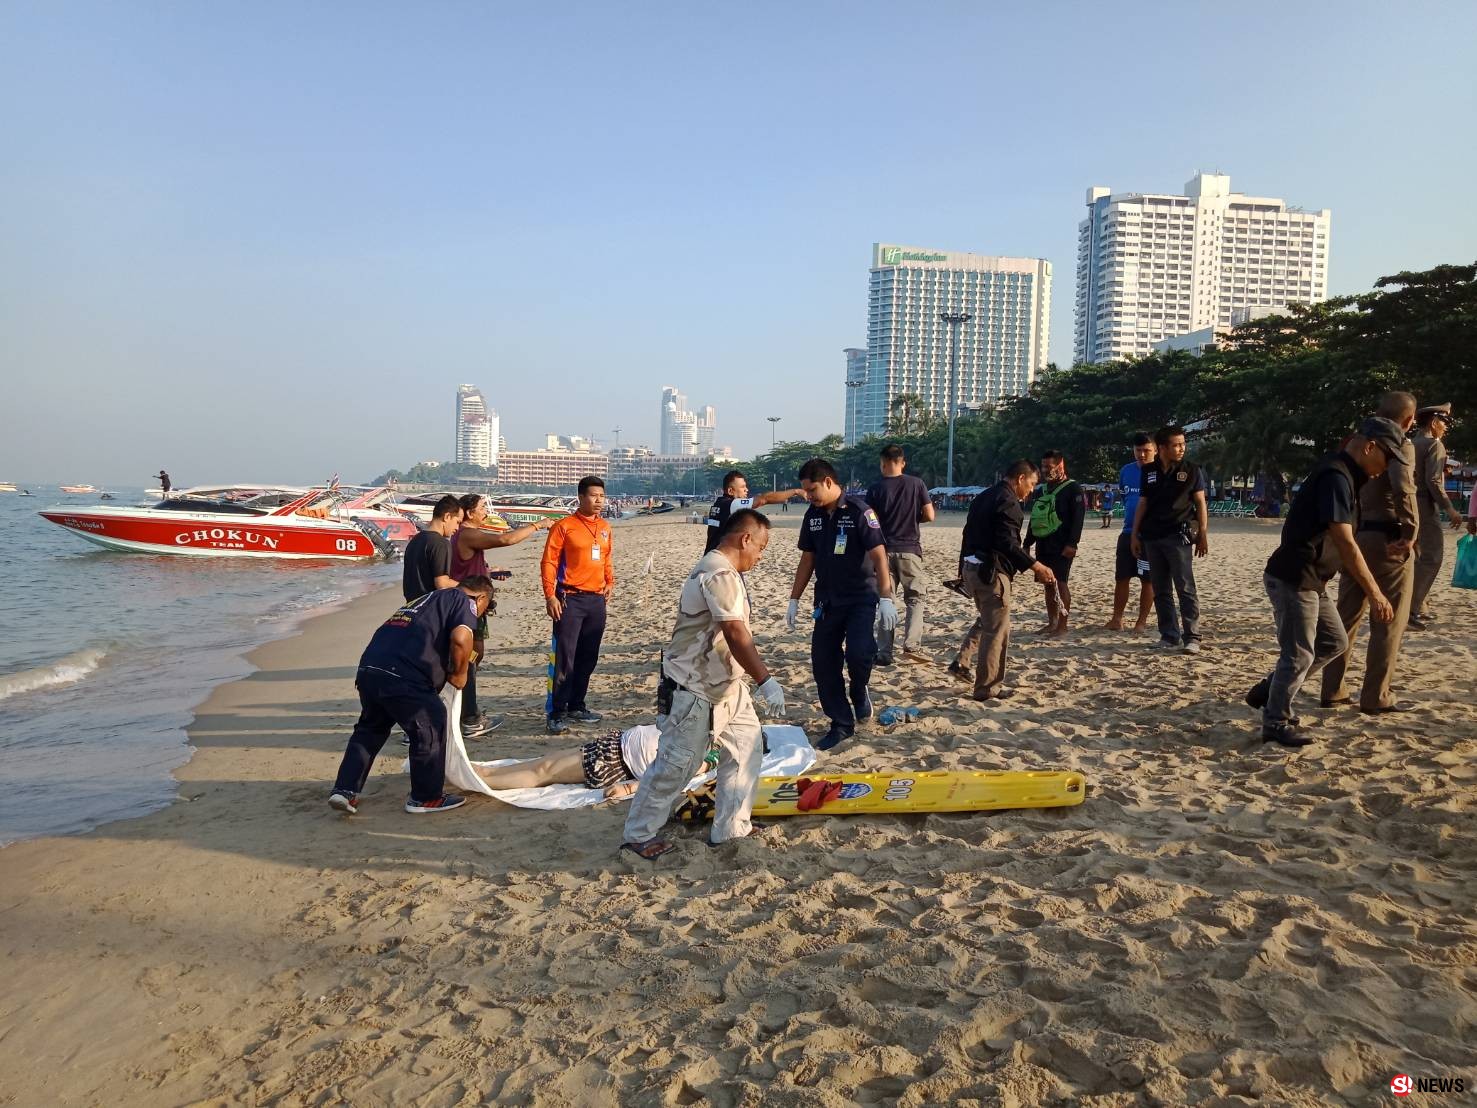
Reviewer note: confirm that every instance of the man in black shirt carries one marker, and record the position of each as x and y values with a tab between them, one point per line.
841	544
735	498
421	648
1057	515
1317	538
901	503
427	558
991	555
1172	518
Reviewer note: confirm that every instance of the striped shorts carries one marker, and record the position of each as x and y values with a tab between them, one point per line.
602	762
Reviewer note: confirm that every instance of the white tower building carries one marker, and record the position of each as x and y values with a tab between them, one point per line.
1153	266
476	428
1001	349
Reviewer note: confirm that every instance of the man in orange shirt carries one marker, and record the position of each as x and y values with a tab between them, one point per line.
577	577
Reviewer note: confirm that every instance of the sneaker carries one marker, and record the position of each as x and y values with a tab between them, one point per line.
584	715
882	660
483	725
440	804
340	801
1166	644
1256	697
961	672
1192	646
557	725
1416	623
837	735
862	707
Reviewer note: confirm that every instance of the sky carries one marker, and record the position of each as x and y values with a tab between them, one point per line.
266	241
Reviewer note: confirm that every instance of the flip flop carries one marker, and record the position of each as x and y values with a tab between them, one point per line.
651	849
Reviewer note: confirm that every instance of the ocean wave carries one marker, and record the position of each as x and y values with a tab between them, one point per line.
64	671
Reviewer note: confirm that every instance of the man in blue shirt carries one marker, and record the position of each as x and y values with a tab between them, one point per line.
841	545
422	647
1126	565
901	503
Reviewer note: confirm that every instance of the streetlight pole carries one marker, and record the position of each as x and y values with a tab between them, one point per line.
774	477
954	320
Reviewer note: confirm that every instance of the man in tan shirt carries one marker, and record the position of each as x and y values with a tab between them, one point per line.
703	699
1386	535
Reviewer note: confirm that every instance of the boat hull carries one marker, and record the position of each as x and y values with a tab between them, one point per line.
217	536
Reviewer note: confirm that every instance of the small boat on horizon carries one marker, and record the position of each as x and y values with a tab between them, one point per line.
79	490
8	486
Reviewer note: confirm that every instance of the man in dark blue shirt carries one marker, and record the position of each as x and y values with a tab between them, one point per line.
841	544
901	502
422	647
1318	538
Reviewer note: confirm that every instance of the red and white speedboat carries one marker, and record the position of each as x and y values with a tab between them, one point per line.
239	522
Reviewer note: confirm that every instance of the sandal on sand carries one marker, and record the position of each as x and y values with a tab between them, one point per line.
651	849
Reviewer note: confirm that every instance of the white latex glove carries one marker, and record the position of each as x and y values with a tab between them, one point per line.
886	614
773	697
792	613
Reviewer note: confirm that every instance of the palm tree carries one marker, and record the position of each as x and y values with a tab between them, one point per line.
908	414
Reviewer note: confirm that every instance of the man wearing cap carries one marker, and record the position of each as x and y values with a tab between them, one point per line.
1432	423
1317	537
1385	536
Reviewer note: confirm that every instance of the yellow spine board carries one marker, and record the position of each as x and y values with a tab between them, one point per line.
951	791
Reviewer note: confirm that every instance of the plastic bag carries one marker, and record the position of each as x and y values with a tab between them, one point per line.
1465	574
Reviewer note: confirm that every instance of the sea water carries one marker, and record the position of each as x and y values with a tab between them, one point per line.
104	656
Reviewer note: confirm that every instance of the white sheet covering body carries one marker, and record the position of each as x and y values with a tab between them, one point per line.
790	754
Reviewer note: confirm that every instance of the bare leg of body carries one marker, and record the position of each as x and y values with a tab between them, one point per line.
565	768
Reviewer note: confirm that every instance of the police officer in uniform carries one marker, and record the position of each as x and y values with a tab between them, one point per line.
1431	499
735	498
1385	536
841	544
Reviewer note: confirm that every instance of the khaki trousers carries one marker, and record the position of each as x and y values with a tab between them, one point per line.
989	635
1430	545
1394	576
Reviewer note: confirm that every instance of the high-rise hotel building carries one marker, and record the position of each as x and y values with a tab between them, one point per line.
477	437
1151	266
1001	349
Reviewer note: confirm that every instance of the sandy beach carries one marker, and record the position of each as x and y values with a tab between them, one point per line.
1219	923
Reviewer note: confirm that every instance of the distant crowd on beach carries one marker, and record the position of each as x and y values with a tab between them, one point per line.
1369	514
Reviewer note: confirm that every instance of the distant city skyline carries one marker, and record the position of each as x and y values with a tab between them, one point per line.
287	271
